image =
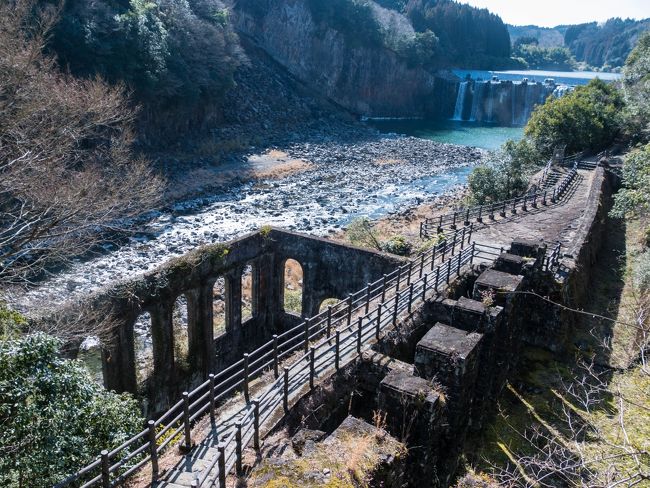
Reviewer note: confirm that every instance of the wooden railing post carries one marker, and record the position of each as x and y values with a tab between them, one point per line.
471	258
337	349
222	464
462	240
378	328
453	223
397	298
383	287
422	263
433	256
212	397
246	371
460	256
329	321
440	225
359	330
276	362
312	367
469	237
285	390
368	297
514	206
153	450
186	421
503	210
238	448
306	339
448	270
435	285
410	297
467	217
480	214
410	272
106	469
256	425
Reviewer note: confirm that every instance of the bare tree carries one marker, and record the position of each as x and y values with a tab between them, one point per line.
67	174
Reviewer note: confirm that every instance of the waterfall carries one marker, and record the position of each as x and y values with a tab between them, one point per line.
460	101
490	107
476	99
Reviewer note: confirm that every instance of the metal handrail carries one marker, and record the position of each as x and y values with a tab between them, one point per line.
432	226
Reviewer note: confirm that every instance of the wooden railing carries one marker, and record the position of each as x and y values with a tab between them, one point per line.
343	328
433	226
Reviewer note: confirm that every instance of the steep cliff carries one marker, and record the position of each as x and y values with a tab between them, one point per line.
370	80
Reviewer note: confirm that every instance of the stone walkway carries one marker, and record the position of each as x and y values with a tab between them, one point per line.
555	222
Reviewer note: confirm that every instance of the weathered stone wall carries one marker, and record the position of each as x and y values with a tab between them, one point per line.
330	270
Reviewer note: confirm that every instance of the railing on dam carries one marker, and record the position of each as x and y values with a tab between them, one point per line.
327	340
432	226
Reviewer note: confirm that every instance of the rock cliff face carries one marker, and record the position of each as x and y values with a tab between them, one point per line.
373	82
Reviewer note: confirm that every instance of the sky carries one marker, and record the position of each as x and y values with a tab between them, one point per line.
549	13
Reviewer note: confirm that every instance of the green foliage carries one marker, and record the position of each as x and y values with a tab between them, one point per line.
361	232
641	277
467	36
11	322
506	174
54	417
398	245
634	198
636	86
536	57
293	301
605	45
172	54
589	117
420	50
352	18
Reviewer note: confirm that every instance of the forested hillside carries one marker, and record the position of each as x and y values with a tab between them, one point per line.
601	46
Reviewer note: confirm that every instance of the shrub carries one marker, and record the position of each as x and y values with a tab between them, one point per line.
398	245
634	198
54	417
641	278
588	117
293	301
506	173
361	232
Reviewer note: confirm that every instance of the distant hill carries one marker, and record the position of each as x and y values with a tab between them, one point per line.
595	45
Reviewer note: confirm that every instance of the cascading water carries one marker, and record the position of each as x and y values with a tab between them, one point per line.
500	102
460	100
477	96
490	107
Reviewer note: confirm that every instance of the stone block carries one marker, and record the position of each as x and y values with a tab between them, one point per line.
441	310
447	353
498	282
528	249
510	263
468	315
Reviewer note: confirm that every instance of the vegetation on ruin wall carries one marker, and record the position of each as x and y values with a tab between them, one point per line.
54	417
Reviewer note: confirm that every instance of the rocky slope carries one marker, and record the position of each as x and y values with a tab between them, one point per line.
371	81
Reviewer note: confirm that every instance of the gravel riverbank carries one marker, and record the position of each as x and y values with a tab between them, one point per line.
335	180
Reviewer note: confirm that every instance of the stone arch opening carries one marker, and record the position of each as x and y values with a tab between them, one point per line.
219	307
143	350
326	303
181	335
248	283
292	287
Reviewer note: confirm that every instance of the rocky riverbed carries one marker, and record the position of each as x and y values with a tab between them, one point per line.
333	182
